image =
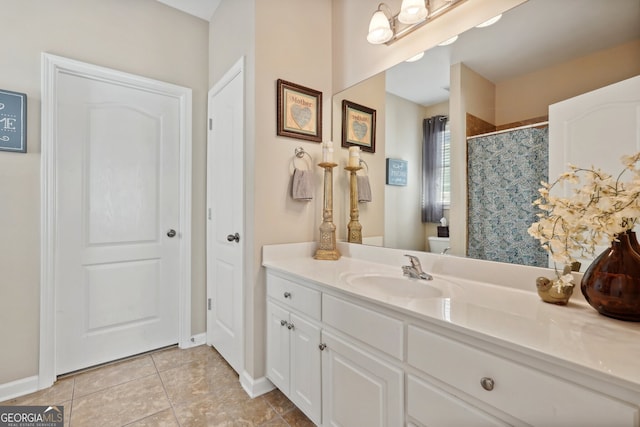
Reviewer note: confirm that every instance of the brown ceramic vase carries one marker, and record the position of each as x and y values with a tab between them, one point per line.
611	284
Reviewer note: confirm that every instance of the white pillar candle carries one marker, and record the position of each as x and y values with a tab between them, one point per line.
329	146
354	157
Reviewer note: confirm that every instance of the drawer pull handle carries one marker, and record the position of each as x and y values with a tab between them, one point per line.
322	346
287	294
487	383
290	326
283	322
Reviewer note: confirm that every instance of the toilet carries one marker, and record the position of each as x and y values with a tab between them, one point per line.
438	245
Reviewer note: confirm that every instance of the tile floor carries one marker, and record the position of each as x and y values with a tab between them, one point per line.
170	387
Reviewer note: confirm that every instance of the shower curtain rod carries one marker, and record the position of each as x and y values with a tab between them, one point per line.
533	125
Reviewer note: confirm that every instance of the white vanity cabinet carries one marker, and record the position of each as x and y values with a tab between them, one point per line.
523	392
293	339
347	360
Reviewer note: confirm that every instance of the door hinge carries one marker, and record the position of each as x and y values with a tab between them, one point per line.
209	304
209	214
210	124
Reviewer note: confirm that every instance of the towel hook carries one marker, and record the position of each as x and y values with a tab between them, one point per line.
300	153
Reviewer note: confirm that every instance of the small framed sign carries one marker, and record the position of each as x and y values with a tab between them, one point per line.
397	172
13	121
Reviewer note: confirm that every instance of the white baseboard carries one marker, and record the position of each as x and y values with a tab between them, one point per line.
18	388
195	341
255	387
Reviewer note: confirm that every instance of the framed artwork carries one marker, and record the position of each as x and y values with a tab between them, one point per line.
299	112
397	172
13	121
358	126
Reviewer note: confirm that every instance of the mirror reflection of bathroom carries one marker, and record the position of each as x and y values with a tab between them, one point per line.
502	77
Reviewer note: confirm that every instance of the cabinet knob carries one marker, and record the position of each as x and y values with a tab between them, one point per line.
487	383
322	346
290	326
283	322
287	294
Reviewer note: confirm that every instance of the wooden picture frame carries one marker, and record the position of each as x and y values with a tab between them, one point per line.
358	126
299	111
13	121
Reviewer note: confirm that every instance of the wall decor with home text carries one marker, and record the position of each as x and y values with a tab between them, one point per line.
13	121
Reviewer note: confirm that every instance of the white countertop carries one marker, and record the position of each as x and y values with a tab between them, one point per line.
509	312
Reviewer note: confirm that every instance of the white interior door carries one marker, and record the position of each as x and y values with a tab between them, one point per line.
225	192
117	254
596	128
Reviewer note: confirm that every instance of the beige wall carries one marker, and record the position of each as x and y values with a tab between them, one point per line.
403	225
142	37
553	84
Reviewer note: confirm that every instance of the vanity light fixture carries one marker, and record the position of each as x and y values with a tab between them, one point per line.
489	22
387	28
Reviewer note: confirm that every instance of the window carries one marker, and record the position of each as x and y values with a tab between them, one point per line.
445	191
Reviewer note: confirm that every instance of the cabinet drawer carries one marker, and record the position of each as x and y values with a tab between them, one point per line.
527	394
294	296
382	332
431	406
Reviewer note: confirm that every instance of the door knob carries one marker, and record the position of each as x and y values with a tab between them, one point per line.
232	237
171	233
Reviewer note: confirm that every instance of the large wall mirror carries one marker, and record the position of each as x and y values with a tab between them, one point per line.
489	80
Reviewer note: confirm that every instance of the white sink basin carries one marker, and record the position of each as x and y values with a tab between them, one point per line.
397	286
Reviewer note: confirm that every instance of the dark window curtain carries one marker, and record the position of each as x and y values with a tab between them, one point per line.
433	131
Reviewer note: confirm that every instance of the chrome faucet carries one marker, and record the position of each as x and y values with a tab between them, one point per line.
415	269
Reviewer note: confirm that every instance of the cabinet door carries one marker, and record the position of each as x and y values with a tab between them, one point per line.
305	371
278	338
358	389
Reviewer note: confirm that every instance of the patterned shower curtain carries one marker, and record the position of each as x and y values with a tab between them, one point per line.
504	174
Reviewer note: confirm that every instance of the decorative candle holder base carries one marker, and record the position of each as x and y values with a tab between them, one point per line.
327	249
354	227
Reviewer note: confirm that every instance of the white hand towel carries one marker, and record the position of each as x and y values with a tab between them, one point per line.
364	189
301	187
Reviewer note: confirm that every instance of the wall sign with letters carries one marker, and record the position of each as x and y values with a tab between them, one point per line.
396	172
13	121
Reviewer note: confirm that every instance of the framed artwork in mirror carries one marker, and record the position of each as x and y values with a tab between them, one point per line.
358	126
299	112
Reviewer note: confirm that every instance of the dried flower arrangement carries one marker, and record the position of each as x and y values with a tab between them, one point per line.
601	208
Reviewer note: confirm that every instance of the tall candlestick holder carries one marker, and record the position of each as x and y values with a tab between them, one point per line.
354	228
327	249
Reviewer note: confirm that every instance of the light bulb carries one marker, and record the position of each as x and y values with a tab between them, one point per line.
412	11
379	28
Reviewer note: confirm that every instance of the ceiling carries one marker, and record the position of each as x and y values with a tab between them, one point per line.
534	35
201	8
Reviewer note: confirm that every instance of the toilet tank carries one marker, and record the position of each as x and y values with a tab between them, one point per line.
438	244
